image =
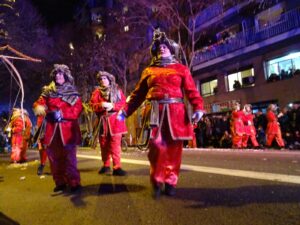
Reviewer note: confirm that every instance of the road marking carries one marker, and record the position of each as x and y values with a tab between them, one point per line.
214	170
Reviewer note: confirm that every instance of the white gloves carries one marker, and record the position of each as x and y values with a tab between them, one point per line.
121	116
197	116
39	110
107	106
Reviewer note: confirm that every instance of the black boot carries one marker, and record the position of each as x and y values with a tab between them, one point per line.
170	189
104	170
40	169
156	191
59	188
119	172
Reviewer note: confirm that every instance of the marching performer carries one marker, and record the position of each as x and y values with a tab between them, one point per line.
20	126
237	126
61	104
250	131
106	101
163	85
273	130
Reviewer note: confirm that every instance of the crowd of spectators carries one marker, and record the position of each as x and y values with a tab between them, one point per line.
213	131
283	75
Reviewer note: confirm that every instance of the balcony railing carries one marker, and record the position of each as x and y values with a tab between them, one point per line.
287	22
210	12
216	9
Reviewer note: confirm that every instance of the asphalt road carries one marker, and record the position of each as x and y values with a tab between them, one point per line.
216	187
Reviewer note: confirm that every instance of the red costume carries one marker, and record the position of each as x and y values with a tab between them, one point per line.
163	87
273	130
237	128
20	129
250	131
62	106
110	129
68	130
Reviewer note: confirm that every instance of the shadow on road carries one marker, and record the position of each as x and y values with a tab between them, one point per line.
4	220
86	170
110	188
105	188
234	197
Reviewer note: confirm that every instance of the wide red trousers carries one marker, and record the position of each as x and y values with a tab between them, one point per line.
63	162
43	153
237	132
278	138
250	132
111	148
19	149
165	157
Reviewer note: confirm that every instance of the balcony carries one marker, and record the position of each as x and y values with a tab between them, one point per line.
209	13
247	41
218	11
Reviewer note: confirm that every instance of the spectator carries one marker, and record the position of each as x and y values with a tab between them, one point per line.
285	126
260	120
237	85
294	117
200	133
226	140
273	77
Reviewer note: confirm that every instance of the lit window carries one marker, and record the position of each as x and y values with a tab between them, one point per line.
283	67
99	33
244	78
126	28
125	9
154	9
209	88
71	46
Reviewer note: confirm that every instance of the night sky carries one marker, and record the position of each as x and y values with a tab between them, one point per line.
56	11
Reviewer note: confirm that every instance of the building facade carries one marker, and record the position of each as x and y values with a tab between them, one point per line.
250	53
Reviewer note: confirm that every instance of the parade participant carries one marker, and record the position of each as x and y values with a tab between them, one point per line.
273	130
20	126
61	104
250	131
40	126
106	101
163	85
237	126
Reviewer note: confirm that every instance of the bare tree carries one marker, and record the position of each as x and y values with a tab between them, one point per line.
6	8
115	51
177	18
27	33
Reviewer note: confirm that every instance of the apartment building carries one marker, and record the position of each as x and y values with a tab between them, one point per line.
249	52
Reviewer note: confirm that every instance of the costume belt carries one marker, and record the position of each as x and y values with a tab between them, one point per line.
170	100
237	120
108	114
